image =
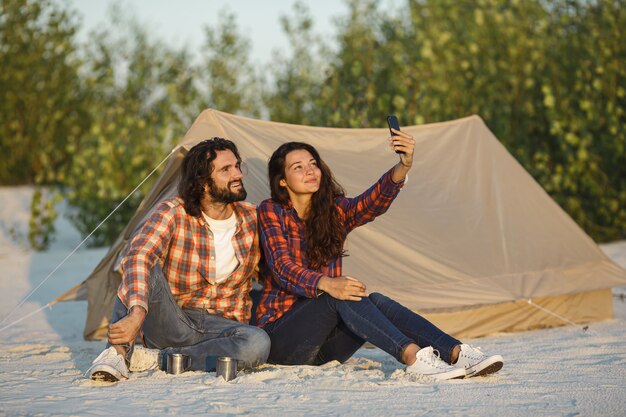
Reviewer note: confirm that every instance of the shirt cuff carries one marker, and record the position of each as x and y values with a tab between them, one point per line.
136	301
389	186
312	284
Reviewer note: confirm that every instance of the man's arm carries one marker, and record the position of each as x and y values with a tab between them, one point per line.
146	249
125	331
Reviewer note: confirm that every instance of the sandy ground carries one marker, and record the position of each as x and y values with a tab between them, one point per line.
561	371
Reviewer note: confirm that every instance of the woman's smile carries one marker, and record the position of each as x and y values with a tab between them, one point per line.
302	173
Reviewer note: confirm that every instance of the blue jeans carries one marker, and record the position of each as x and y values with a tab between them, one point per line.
319	330
195	333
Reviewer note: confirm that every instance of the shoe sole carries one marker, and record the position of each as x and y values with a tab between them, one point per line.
490	369
441	376
103	376
434	376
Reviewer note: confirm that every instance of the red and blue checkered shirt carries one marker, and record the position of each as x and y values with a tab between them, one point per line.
284	269
183	246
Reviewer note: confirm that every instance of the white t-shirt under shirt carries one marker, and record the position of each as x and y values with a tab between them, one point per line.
223	232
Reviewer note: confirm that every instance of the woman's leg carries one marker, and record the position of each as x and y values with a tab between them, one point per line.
340	345
423	332
310	333
301	336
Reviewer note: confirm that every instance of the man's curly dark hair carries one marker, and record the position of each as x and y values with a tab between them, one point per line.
196	171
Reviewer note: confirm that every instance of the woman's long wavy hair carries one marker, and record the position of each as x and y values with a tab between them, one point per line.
196	171
325	231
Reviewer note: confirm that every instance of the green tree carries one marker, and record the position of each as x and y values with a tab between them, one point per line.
547	78
584	96
142	99
41	97
227	78
351	92
42	103
481	57
296	79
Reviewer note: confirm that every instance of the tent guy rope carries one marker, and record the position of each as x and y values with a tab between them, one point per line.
75	249
545	310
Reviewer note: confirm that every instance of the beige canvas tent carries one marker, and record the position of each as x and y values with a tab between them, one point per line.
470	240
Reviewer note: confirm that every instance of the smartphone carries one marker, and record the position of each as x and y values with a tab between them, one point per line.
392	121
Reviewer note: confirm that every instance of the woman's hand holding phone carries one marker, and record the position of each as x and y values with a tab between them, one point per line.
404	145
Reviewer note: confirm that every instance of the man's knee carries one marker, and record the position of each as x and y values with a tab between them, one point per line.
256	346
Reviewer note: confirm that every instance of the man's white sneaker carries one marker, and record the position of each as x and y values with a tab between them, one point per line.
477	363
429	364
109	366
144	359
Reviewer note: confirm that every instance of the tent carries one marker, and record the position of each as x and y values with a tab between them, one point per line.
472	242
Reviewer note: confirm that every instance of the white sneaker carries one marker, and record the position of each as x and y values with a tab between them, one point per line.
109	366
477	363
144	359
429	364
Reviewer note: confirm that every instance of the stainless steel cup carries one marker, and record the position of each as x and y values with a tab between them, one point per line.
177	363
226	368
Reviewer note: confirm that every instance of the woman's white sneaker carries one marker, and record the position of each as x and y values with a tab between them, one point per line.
477	363
109	366
429	364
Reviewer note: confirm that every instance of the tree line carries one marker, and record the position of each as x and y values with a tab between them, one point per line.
90	120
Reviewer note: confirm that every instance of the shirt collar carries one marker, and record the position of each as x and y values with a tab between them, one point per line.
236	210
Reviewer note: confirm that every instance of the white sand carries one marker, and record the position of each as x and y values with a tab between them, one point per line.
562	371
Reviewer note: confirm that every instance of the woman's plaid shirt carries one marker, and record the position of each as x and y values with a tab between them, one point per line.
183	246
284	268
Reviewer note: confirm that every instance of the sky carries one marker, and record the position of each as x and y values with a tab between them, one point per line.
182	22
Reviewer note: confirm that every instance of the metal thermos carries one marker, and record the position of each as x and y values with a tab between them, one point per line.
226	368
177	363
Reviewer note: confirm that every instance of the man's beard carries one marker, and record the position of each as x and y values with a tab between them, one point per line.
225	195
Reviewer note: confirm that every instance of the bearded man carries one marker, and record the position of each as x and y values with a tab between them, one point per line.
188	274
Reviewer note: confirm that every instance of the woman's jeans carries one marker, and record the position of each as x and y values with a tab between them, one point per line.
319	330
195	333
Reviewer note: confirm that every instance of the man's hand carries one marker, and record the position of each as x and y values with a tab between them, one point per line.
126	330
343	288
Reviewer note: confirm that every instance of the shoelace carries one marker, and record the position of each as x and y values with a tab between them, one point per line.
434	360
474	353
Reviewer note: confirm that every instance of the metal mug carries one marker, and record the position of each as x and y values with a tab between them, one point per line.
177	363
226	368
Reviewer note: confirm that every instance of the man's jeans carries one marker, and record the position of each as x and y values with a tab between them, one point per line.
195	333
319	330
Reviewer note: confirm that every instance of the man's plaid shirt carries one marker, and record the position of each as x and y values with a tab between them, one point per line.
182	245
284	268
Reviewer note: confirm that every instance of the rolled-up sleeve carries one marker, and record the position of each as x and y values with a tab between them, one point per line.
371	203
145	251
